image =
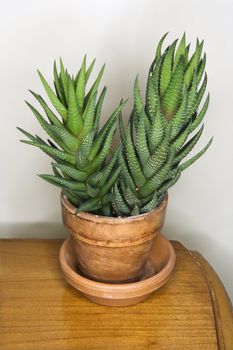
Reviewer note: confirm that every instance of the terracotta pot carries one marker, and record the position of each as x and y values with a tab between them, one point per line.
109	249
156	273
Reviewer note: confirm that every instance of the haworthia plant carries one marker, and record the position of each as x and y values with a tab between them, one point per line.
159	134
80	149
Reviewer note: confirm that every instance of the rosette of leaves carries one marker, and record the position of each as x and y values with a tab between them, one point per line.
79	147
162	132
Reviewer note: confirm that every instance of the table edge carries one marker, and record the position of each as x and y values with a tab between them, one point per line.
221	303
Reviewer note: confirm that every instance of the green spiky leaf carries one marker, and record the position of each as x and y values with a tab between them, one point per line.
173	94
58	86
53	98
103	135
201	91
100	157
80	88
193	64
187	148
110	183
47	127
199	118
180	118
51	116
141	141
131	198
71	171
168	183
88	116
84	150
135	211
64	78
119	202
98	110
150	205
53	152
60	182
159	47
151	98
166	69
181	50
94	88
138	105
89	70
196	157
105	173
157	130
133	162
156	180
201	69
159	157
90	205
74	121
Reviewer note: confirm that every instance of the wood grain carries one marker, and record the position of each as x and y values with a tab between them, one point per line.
39	310
221	303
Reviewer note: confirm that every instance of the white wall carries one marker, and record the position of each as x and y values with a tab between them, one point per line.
123	34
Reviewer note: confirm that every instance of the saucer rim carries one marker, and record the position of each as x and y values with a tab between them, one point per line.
96	288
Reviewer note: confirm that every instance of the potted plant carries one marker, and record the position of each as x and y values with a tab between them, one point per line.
114	202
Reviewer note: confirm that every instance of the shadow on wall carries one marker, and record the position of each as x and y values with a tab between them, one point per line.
34	230
213	250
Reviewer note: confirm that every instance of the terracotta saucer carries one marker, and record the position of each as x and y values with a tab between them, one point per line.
156	273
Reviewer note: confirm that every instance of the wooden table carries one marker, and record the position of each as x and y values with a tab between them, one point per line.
39	310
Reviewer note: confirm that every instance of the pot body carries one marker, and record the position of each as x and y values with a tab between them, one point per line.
112	250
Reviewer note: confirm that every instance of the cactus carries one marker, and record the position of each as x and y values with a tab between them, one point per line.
78	146
159	133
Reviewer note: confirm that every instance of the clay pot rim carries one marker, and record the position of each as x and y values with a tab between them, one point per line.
85	284
110	219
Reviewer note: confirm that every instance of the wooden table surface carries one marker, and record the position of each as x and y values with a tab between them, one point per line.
39	310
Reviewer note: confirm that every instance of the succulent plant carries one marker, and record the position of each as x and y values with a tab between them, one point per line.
79	147
159	133
134	179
